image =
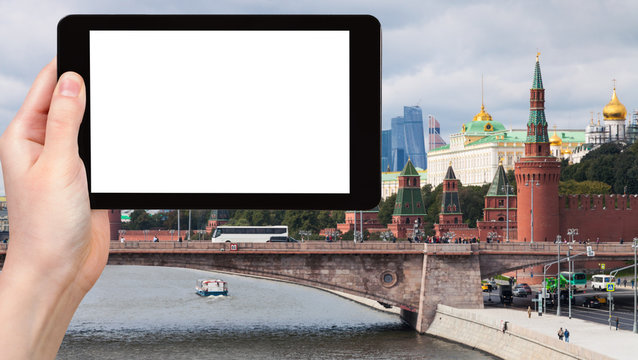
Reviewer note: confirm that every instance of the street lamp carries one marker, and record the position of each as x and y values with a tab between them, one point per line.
507	187
532	210
304	233
572	232
570	269
557	275
635	246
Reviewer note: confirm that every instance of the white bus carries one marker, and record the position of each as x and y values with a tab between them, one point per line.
600	281
237	234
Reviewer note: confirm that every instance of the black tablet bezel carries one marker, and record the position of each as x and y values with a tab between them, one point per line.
365	105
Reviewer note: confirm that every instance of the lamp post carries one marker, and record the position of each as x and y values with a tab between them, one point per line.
532	210
304	233
507	187
570	269
635	246
558	276
572	232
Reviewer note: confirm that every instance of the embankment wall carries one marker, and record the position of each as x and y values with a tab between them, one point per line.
515	342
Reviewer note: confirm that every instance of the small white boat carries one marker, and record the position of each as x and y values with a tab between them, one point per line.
211	288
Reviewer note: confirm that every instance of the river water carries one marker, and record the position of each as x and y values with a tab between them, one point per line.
153	313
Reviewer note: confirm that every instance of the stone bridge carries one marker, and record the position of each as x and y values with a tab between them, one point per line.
414	277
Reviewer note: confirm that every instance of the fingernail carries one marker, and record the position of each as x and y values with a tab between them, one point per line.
69	86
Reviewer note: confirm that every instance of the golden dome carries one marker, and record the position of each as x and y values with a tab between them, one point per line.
566	151
483	115
555	140
615	110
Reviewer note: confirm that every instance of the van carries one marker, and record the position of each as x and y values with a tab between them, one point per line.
600	281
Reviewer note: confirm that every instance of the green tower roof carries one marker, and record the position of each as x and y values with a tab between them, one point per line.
409	200
498	188
538	80
409	170
449	175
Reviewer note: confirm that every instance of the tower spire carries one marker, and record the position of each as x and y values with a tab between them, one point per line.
537	142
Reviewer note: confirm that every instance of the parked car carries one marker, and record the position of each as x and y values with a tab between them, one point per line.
522	290
281	239
519	291
494	285
527	288
591	302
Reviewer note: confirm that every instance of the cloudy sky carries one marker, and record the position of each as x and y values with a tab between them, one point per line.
434	52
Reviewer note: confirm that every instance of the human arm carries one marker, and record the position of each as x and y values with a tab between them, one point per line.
58	246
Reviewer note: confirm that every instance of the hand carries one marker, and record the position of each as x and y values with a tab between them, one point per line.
58	246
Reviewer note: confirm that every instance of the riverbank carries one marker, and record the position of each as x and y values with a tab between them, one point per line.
531	338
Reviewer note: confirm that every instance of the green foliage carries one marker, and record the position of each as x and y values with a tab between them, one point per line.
613	164
432	199
472	199
386	208
583	187
511	179
310	220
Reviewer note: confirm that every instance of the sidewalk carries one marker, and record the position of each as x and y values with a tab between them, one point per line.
621	344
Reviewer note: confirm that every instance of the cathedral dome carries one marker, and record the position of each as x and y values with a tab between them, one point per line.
555	140
615	110
482	115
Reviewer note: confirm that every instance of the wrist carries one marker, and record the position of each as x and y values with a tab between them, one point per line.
39	312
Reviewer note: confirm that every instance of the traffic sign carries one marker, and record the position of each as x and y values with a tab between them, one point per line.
611	287
602	266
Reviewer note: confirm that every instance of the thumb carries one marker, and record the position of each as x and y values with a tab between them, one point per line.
64	118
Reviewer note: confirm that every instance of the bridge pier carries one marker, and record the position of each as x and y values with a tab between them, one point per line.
451	276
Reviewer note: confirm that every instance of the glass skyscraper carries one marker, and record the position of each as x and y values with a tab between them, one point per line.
407	140
386	150
414	138
398	158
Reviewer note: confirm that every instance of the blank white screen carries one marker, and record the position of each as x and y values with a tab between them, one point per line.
219	111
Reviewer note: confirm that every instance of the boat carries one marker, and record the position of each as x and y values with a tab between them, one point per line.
211	288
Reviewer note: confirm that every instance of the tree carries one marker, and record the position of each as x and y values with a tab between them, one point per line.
386	208
570	187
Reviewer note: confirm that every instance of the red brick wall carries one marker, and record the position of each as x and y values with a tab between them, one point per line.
599	216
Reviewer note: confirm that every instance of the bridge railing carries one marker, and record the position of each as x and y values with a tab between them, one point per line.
546	247
305	246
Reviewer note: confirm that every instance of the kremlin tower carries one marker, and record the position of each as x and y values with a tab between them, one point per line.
409	210
537	174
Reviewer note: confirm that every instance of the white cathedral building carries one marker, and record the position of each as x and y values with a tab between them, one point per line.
613	129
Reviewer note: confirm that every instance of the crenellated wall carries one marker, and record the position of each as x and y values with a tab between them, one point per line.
605	217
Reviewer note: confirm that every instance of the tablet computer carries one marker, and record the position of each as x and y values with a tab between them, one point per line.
228	111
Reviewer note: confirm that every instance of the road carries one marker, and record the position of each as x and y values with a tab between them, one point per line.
623	307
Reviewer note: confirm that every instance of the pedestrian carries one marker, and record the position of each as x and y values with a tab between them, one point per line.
624	283
618	282
560	334
617	321
622	241
632	283
122	239
566	335
155	239
529	312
